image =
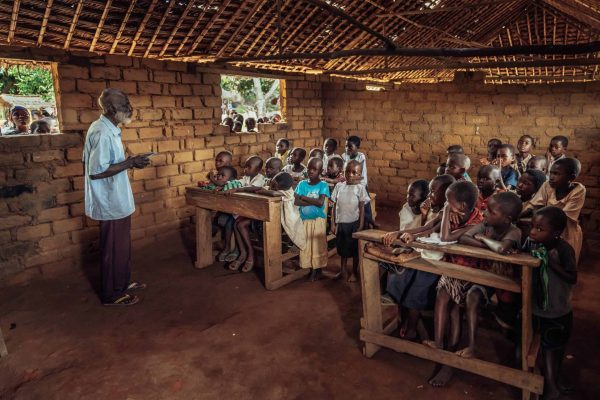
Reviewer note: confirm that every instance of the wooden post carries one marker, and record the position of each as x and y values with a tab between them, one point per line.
272	246
204	256
3	349
526	323
372	313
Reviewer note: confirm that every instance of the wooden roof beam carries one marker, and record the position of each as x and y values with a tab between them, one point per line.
100	25
193	28
13	20
113	47
584	14
460	7
44	22
141	28
158	27
200	36
176	28
73	24
233	37
256	26
225	27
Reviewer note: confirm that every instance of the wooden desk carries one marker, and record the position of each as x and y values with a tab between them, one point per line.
263	208
376	335
3	350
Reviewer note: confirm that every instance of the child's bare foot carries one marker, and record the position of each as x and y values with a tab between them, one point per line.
248	265
442	377
467	352
352	278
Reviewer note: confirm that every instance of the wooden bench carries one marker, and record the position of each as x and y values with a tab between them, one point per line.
262	208
3	349
376	334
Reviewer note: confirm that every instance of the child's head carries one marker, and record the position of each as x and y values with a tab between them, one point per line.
314	169
539	163
437	189
503	209
297	155
487	176
282	146
330	146
529	183
353	172
250	124
547	224
506	155
281	181
273	167
525	144
229	122
461	198
316	153
39	126
223	159
237	126
352	145
417	193
225	174
441	170
563	172
455	148
253	166
492	146
457	164
335	165
238	118
558	146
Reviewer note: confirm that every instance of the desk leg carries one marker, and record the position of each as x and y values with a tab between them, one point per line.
526	322
204	256
3	349
371	298
272	247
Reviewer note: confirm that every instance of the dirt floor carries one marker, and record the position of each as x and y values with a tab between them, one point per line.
212	334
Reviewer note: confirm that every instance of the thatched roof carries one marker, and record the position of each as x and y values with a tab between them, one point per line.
541	39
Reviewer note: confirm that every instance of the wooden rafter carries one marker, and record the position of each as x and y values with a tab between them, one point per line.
583	14
460	7
276	32
73	24
44	22
141	28
177	26
250	33
241	26
206	28
100	25
193	28
159	27
221	31
113	47
13	20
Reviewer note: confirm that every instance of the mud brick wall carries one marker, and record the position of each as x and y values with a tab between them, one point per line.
43	228
407	129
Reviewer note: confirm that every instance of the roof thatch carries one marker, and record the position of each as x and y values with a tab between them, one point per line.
315	31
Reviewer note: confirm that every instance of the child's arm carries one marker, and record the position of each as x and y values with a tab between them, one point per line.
425	230
501	247
567	275
361	213
469	239
309	201
271	193
445	234
333	214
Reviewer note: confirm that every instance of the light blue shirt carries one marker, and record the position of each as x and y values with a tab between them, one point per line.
304	188
109	198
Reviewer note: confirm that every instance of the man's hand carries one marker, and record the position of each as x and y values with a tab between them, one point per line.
139	161
389	238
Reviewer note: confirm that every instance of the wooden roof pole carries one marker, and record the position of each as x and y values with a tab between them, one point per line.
446	9
193	28
340	13
113	47
73	24
224	28
251	31
44	22
249	15
207	27
158	27
138	33
576	12
276	31
176	28
13	20
100	25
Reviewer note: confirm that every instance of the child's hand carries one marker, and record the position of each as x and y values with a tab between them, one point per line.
407	238
389	238
455	218
425	206
479	236
229	192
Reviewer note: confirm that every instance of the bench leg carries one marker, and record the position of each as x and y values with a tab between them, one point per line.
272	247
204	255
526	323
371	298
3	349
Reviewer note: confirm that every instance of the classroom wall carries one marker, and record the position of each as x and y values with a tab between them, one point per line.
406	129
43	229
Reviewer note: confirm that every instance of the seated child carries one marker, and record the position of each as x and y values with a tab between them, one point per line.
451	292
282	150
329	148
505	158
223	159
561	191
441	170
525	144
335	170
457	148
498	233
552	292
492	147
411	215
488	177
349	200
556	150
296	169
311	195
316	153
224	179
457	165
529	183
538	162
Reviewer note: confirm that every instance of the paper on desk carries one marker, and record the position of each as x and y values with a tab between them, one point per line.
434	238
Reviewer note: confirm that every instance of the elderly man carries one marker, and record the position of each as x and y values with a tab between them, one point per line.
108	196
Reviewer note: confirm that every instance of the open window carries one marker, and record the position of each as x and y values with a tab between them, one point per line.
27	98
248	101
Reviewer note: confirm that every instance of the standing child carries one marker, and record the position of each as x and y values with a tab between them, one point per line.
552	292
311	195
296	169
505	158
457	166
349	200
488	177
562	192
352	153
282	150
492	147
525	144
329	148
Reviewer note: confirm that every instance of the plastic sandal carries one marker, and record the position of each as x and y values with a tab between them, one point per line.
126	300
232	256
136	286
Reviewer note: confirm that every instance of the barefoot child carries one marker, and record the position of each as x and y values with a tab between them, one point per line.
498	233
556	150
457	165
348	217
552	291
282	150
329	148
311	195
352	153
296	169
492	147
487	183
505	158
524	146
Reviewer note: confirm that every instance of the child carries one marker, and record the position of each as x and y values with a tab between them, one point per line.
556	150
237	127
228	121
529	183
411	215
272	168
524	145
40	127
451	292
224	179
349	200
352	153
441	170
505	157
335	170
538	162
457	166
458	149
223	159
251	125
498	234
317	153
492	147
487	183
329	148
296	169
562	192
552	291
311	195
282	150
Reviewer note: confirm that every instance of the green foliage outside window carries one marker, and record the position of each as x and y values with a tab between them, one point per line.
27	81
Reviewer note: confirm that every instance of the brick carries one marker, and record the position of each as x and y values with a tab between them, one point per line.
183	113
32	175
182	157
133	74
74	154
190	168
33	232
183	130
52	214
89	86
580	121
163	101
73	169
150	114
66	140
145	173
149	88
14	220
67	225
192	101
149	133
124	86
180	90
204	129
164	76
156	183
149	208
140	101
215	141
69	197
547	121
76	100
168	145
72	71
101	72
203	154
167	170
88	116
139	147
180	180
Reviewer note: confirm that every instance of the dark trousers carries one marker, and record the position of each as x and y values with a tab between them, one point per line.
115	248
